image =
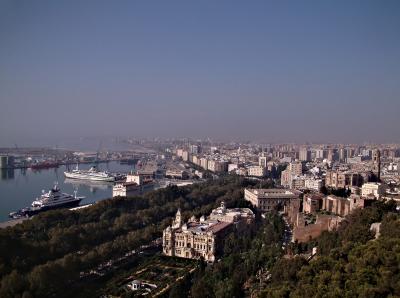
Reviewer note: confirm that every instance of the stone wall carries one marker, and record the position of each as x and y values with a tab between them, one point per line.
304	233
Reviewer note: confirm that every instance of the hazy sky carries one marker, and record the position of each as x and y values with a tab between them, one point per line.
271	70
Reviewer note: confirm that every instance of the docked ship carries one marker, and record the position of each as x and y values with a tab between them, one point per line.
129	161
92	174
44	165
53	199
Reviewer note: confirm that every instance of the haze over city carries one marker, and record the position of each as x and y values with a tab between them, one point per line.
201	149
280	72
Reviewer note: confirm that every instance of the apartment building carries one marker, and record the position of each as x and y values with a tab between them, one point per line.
217	166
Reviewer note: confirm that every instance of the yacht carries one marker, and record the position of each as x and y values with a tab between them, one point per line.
53	199
92	174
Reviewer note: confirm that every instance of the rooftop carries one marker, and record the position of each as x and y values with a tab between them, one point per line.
213	226
274	192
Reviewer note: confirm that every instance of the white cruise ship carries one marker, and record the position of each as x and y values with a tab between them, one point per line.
53	199
92	174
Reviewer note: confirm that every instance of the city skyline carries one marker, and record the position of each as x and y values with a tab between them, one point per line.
276	72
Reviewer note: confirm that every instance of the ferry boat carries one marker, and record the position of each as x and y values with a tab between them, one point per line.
53	199
92	174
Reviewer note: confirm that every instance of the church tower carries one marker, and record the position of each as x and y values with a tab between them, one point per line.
178	220
377	162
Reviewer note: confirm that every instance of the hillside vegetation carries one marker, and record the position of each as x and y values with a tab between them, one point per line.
44	256
350	263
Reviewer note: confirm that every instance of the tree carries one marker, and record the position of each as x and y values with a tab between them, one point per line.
13	285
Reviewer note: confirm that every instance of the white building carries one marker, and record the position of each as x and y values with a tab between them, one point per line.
313	183
179	152
373	188
256	171
232	167
134	184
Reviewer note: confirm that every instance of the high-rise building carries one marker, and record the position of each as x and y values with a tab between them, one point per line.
304	154
185	155
204	163
196	160
332	156
366	153
194	149
320	154
296	168
342	154
350	152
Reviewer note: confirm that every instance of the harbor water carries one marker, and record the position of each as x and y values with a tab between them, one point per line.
19	187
